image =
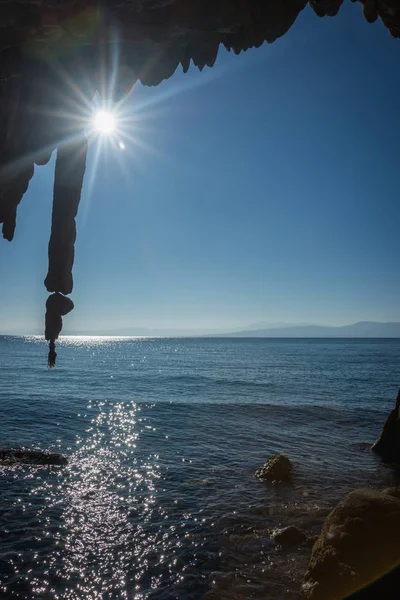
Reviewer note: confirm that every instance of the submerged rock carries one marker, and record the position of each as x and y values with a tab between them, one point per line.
277	469
388	443
357	550
288	536
31	457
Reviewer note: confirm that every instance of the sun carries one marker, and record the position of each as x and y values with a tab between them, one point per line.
104	122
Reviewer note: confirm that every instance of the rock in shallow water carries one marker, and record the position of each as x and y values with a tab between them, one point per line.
288	536
357	550
277	469
388	443
30	457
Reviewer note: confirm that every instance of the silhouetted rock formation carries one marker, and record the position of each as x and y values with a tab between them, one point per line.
57	306
31	457
358	544
277	469
388	443
289	536
54	56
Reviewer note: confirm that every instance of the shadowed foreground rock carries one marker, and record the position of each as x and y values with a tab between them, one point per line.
31	457
277	469
388	443
358	547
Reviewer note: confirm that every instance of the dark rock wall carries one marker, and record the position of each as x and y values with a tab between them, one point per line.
49	50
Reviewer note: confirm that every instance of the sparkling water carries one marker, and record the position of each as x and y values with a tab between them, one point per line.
159	499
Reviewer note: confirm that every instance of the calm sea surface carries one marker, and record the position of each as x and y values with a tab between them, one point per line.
159	500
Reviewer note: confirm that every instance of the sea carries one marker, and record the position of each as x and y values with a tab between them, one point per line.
159	500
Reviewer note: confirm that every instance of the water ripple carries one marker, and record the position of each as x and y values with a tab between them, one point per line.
159	501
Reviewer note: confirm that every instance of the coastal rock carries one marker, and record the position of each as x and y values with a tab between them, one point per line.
393	491
357	550
388	443
288	536
31	457
277	469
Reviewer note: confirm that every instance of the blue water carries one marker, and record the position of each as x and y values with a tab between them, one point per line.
159	500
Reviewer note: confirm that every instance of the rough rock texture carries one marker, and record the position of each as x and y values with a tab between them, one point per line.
277	469
393	491
56	54
57	306
30	457
388	443
288	536
358	544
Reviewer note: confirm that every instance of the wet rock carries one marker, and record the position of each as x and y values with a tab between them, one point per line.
357	550
277	469
393	491
31	457
388	443
288	536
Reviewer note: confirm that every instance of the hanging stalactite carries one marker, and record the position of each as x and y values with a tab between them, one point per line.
15	170
69	173
68	180
57	306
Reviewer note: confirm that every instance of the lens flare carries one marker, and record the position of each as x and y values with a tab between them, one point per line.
104	122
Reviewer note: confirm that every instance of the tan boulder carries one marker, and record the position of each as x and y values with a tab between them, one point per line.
359	546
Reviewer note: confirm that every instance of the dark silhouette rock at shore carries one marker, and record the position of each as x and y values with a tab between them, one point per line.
277	469
358	550
31	457
388	443
288	536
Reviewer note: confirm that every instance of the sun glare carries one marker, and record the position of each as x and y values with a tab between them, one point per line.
104	122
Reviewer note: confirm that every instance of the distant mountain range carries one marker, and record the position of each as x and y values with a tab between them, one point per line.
148	332
277	330
366	329
362	329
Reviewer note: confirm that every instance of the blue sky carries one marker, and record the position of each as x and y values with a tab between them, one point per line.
265	188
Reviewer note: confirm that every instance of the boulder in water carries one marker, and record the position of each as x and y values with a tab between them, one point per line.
388	443
277	469
31	457
358	550
288	536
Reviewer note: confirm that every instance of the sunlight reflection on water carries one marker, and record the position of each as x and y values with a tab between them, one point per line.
159	501
109	516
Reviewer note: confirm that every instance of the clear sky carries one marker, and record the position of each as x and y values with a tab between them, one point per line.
266	188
